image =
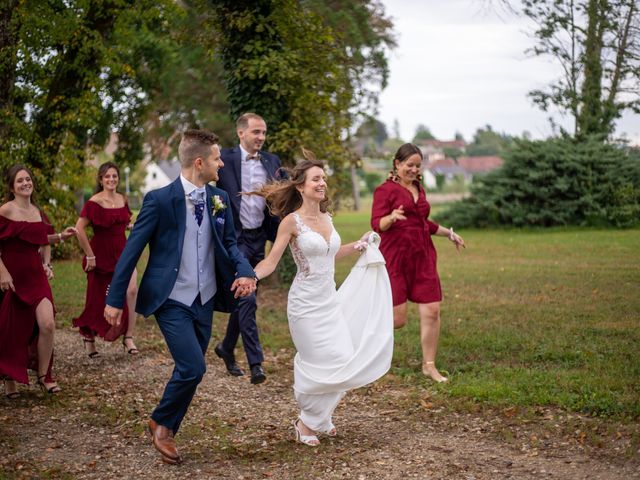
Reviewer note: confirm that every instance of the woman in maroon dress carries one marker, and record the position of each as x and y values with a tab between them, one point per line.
109	215
400	215
27	314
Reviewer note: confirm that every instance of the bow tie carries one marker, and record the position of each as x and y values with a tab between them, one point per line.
254	157
197	195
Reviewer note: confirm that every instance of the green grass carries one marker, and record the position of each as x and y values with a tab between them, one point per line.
545	317
530	318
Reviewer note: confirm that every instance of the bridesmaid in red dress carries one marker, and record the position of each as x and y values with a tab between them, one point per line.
109	215
400	214
27	314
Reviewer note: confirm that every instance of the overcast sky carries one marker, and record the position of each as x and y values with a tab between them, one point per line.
460	65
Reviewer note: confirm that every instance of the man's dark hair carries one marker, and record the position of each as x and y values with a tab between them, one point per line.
194	144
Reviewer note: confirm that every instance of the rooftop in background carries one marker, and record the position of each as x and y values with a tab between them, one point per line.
483	164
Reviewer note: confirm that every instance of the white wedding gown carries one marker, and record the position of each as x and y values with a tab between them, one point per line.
344	338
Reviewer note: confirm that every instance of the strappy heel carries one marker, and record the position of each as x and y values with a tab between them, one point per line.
310	440
10	395
331	431
51	390
93	354
426	373
132	350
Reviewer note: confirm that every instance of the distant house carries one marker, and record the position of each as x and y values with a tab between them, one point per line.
429	179
160	174
433	150
446	167
466	167
479	165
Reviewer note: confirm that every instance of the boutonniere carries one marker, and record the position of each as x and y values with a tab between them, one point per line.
217	205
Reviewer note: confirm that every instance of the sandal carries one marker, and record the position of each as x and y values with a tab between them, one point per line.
132	350
425	372
50	390
310	440
10	395
331	431
93	354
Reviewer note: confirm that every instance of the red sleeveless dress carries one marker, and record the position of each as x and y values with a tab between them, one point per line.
20	243
109	225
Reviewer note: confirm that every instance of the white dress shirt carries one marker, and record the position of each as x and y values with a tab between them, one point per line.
253	176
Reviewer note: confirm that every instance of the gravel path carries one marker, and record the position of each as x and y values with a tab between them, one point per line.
235	430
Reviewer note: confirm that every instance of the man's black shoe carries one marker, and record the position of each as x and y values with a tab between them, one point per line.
229	362
257	374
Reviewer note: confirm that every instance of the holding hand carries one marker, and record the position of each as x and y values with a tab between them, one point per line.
243	286
68	233
362	244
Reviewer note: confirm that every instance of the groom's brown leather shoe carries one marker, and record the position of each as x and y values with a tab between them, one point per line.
162	439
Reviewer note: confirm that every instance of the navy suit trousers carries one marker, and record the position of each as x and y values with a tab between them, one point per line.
242	320
187	331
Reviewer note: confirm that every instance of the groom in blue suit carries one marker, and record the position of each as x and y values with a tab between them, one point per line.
247	167
194	268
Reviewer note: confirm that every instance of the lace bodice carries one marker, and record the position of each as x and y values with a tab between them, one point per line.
314	256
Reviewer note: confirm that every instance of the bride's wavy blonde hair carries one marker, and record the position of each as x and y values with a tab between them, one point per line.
282	196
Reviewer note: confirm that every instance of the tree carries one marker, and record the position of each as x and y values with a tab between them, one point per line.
488	142
560	181
282	60
597	45
71	73
422	133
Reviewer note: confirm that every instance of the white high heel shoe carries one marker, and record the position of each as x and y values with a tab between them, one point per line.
331	431
310	440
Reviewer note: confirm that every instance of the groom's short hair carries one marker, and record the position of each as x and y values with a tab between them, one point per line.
194	144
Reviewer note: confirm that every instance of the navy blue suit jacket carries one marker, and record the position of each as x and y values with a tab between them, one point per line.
231	182
161	224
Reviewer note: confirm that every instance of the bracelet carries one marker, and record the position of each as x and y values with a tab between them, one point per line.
60	238
451	237
91	258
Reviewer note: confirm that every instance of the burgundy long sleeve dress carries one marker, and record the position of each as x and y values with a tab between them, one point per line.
109	225
20	243
407	246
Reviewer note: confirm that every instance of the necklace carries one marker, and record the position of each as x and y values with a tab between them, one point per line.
313	217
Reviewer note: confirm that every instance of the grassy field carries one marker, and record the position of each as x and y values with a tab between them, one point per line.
530	318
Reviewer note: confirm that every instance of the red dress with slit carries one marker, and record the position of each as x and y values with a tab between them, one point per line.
109	225
20	244
407	246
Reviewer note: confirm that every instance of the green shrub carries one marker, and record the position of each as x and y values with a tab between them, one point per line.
555	182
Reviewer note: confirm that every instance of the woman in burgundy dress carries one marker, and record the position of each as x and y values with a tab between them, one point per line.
27	314
400	214
109	215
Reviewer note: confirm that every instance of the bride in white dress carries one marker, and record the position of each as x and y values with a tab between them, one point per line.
344	338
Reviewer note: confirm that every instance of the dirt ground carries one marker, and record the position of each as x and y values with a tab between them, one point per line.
235	430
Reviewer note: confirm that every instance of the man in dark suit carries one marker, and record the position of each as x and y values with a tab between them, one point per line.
193	260
247	167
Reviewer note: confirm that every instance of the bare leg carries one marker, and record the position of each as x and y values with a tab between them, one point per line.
400	315
46	327
132	293
429	334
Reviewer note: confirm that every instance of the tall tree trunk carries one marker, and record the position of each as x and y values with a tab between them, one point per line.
589	120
